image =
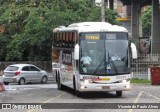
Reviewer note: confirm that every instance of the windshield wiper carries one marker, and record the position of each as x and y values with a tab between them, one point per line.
114	66
110	60
98	66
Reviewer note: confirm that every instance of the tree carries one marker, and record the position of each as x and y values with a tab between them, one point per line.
146	21
29	24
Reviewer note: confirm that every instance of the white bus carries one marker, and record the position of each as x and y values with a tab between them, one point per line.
100	41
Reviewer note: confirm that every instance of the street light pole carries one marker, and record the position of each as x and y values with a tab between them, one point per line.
102	11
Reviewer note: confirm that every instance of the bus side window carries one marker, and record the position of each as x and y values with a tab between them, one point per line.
72	40
57	40
64	39
76	38
67	40
60	40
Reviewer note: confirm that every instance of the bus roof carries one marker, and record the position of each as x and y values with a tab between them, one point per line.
92	27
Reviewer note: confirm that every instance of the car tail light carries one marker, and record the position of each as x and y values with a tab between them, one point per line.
17	73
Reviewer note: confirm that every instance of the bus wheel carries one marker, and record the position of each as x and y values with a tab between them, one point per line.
79	94
56	77
76	91
59	83
119	93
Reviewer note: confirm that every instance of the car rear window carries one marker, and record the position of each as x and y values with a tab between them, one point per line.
11	68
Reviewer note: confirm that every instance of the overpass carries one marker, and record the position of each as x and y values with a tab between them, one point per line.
141	2
136	24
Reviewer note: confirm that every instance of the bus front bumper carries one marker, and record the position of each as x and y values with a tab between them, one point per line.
88	87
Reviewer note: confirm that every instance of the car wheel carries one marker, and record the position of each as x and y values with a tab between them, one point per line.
44	80
6	83
21	81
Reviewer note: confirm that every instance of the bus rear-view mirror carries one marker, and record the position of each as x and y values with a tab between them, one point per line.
134	51
76	52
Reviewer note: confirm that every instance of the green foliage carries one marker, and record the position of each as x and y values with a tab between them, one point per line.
3	42
29	25
14	51
146	21
137	80
111	16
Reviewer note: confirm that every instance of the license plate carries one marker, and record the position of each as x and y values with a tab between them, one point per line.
105	87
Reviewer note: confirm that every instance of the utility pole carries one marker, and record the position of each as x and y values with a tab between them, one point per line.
102	11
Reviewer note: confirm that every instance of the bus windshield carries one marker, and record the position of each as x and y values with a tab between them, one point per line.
104	53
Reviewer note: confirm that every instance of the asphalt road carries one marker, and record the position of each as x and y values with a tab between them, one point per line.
48	93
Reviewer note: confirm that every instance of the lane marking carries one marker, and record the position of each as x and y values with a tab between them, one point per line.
48	101
151	95
138	97
136	100
54	98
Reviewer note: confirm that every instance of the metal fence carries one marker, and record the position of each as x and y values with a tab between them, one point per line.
140	66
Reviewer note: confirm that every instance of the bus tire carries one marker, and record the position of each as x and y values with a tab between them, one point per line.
119	93
59	82
76	91
56	77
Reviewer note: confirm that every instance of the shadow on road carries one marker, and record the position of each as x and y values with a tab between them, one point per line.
91	95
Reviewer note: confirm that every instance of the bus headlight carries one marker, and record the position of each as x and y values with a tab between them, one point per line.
86	81
82	87
128	86
124	81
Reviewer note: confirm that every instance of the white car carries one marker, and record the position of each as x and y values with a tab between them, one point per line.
23	73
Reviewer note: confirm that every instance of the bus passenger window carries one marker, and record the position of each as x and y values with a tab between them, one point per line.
76	39
56	40
70	35
72	40
60	40
67	40
64	40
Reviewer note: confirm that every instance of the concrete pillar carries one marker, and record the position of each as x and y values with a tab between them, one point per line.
102	11
155	32
135	21
140	25
111	4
